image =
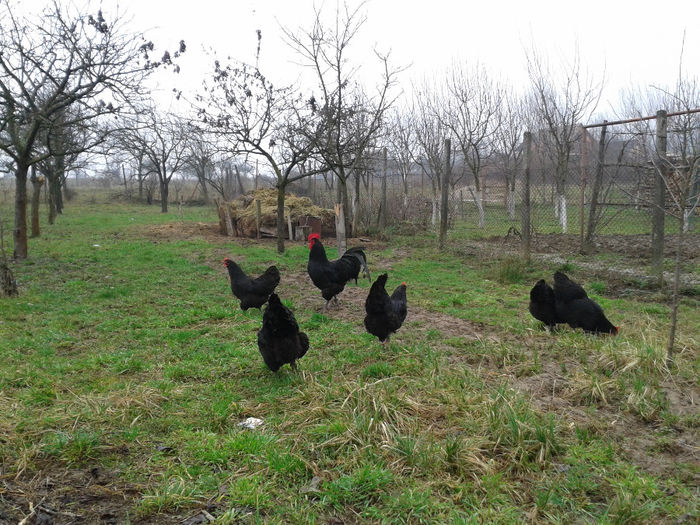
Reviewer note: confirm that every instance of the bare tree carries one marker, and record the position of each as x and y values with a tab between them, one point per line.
163	139
262	120
401	137
58	59
349	116
508	145
472	114
202	150
562	97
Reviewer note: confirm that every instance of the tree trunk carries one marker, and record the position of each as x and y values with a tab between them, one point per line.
164	196
676	298
355	205
19	234
37	182
445	189
480	206
280	218
561	205
342	197
340	229
52	190
383	205
405	198
205	191
238	179
140	178
510	200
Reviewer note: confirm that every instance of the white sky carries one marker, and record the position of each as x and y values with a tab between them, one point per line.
636	42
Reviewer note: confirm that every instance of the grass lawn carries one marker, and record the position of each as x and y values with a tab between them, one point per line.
126	367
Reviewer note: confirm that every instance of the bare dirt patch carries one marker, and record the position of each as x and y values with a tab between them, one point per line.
59	495
174	231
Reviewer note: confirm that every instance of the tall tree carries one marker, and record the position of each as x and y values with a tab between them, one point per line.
508	145
473	115
60	58
401	138
163	139
349	116
275	124
562	97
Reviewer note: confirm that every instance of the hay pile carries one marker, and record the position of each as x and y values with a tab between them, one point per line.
242	210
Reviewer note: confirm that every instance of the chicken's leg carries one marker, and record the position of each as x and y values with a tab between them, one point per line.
293	364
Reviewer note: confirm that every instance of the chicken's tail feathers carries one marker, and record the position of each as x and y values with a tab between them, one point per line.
304	340
359	254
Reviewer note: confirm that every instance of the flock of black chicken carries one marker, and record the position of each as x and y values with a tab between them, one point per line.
280	341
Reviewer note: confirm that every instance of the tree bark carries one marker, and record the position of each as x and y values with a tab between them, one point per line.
37	182
19	234
383	206
164	196
356	205
445	189
280	218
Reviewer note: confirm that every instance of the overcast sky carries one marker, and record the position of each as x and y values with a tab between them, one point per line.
635	42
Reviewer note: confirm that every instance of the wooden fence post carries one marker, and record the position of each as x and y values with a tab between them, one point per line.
445	189
527	146
657	233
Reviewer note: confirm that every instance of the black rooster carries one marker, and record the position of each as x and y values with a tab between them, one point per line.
542	304
385	314
331	276
279	339
252	293
573	306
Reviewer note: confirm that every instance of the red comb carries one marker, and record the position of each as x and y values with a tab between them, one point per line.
312	237
404	283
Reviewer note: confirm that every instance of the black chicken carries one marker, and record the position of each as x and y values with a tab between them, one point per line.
331	276
542	304
279	339
385	314
252	293
573	306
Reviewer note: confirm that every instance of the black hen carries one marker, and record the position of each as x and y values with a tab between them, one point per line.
252	293
573	306
542	304
385	314
331	276
279	339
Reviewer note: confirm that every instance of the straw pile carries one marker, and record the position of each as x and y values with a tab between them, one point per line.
242	210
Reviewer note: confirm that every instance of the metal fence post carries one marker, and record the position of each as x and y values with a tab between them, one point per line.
527	145
657	234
